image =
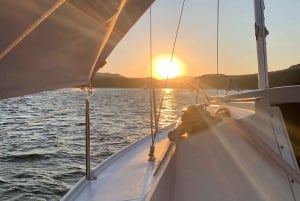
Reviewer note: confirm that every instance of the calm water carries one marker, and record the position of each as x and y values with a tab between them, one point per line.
42	136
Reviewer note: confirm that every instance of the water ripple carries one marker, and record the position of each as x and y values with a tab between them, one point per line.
41	158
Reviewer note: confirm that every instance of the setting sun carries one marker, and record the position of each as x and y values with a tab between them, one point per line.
165	68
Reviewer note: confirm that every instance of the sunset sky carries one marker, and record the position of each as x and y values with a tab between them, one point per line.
196	44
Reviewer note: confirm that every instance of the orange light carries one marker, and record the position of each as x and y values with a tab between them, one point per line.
165	68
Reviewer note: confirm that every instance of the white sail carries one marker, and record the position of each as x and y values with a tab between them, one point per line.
47	45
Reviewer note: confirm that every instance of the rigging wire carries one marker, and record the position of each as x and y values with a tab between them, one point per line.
218	25
218	22
152	94
171	61
154	116
151	77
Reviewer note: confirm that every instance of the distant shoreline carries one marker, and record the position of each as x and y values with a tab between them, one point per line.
286	77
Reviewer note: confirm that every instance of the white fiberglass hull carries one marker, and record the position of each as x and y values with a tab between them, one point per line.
247	156
126	175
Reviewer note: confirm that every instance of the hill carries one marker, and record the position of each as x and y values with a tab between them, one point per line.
289	76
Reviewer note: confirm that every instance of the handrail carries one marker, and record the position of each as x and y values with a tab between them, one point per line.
238	100
228	87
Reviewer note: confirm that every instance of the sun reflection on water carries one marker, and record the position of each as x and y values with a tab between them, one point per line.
118	117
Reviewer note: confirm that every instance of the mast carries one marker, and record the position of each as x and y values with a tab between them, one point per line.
261	32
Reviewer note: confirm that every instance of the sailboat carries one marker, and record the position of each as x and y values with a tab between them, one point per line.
237	147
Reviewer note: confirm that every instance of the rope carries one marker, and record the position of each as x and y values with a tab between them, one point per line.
171	61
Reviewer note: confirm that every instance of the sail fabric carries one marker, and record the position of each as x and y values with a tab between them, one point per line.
52	44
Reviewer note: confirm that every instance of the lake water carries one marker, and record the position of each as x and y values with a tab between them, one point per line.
42	136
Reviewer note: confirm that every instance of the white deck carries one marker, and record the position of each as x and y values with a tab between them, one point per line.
233	160
219	164
125	176
128	175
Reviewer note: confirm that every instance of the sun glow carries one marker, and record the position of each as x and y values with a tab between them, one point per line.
165	68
